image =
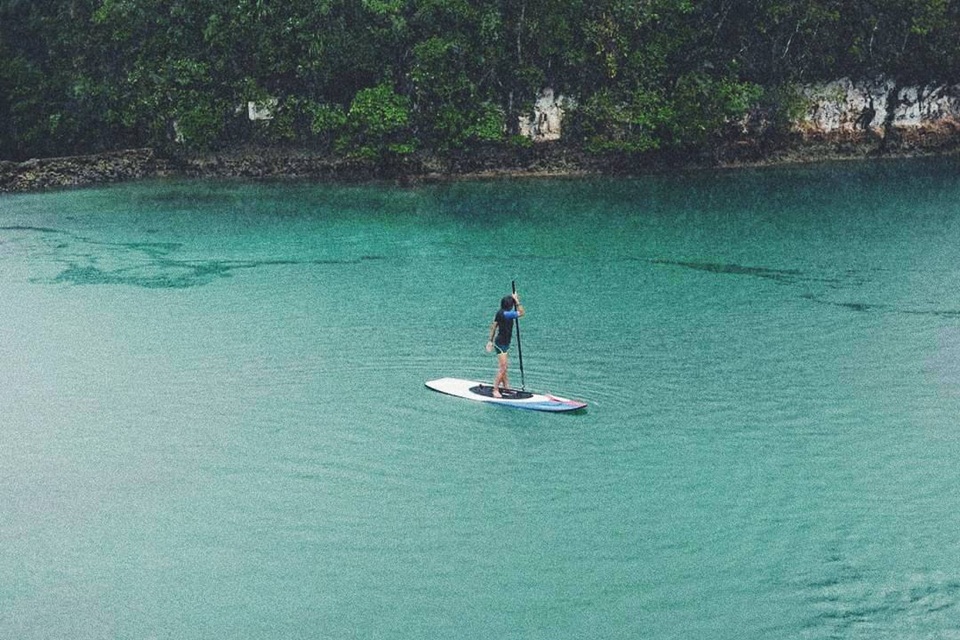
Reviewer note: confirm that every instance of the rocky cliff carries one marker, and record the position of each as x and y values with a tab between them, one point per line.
840	119
879	105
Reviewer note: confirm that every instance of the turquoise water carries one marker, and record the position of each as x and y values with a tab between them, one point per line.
214	423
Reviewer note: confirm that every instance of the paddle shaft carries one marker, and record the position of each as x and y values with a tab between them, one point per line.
523	384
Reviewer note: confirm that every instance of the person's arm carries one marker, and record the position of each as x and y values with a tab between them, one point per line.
493	332
520	310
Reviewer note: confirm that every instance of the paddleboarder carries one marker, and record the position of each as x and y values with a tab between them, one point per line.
501	332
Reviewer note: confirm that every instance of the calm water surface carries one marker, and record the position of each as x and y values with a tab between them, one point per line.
213	422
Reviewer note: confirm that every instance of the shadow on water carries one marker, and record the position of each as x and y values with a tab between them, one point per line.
148	265
29	228
793	277
153	265
863	307
173	274
784	276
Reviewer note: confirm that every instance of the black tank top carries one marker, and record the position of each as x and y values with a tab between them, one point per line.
504	327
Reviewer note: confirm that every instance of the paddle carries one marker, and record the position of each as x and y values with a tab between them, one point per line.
523	384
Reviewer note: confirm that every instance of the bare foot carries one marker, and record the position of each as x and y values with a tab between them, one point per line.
496	394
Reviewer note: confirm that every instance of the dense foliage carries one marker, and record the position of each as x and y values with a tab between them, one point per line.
385	77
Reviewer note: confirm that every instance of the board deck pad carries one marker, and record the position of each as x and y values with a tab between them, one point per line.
515	398
510	394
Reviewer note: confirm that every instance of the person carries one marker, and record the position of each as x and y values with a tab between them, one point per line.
501	331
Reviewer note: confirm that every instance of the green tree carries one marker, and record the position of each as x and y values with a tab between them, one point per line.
85	75
52	102
378	124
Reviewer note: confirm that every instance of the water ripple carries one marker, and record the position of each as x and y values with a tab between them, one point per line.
846	601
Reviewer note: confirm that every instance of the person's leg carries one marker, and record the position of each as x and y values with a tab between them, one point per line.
501	379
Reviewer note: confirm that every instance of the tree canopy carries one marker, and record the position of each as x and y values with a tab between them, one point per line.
386	77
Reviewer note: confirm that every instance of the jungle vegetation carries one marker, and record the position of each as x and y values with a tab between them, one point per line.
381	78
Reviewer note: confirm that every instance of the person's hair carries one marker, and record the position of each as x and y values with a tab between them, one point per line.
507	303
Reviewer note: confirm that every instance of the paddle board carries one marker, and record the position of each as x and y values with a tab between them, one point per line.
483	392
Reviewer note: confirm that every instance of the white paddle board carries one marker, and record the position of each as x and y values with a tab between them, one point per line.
483	392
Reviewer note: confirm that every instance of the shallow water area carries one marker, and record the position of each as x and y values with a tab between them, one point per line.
213	421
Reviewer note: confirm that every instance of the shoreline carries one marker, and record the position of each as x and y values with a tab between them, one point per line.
541	160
